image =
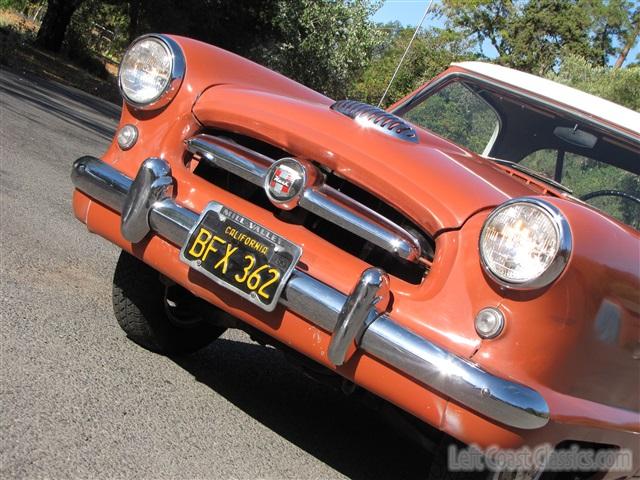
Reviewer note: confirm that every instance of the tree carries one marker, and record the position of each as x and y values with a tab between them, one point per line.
631	38
618	85
235	25
323	44
534	35
55	23
431	52
134	19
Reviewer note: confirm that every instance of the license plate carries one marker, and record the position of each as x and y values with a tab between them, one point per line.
241	255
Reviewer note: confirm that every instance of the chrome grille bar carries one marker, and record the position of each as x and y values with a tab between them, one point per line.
322	200
231	157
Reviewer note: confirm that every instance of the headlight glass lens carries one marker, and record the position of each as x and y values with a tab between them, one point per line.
519	242
145	71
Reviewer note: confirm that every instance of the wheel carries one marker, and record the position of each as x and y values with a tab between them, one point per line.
162	318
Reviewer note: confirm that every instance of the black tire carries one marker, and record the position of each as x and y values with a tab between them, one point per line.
140	308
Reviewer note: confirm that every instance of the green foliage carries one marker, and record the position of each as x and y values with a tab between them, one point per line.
332	46
97	29
235	25
584	175
15	33
323	44
432	51
621	86
458	114
18	5
535	35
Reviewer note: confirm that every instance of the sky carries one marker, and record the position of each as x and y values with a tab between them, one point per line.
409	13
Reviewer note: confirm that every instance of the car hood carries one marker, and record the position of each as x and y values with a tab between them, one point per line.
434	182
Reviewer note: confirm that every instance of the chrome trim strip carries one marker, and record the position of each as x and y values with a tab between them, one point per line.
465	382
461	380
322	306
337	208
175	222
230	156
105	183
319	199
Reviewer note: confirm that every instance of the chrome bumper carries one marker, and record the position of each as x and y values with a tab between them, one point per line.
146	205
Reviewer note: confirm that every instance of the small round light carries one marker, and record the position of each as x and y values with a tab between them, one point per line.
489	322
151	71
525	243
127	137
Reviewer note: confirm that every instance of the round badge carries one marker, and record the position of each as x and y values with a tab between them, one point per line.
285	182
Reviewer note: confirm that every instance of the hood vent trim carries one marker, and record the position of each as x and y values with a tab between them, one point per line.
377	118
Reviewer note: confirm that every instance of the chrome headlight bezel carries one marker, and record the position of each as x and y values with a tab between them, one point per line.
176	76
561	258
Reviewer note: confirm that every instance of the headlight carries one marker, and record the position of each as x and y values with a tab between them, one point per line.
525	243
151	72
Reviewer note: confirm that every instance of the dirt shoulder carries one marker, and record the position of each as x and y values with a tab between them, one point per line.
18	53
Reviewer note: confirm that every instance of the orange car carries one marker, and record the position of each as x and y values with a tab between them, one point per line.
420	253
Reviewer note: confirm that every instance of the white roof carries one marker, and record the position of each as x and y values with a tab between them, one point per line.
556	92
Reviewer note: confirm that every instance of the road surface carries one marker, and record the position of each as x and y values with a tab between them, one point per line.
78	399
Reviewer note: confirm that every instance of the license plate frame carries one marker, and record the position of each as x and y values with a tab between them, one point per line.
226	228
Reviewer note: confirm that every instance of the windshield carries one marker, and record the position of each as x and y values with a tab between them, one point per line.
544	140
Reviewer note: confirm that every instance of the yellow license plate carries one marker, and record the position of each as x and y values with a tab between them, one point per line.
241	255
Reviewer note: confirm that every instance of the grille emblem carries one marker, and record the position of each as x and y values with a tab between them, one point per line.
285	182
282	181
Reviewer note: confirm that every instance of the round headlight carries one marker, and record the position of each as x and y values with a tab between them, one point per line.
525	243
151	72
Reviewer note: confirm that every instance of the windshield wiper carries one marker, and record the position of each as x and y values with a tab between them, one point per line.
532	173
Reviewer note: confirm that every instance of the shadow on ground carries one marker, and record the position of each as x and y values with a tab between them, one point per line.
63	102
337	430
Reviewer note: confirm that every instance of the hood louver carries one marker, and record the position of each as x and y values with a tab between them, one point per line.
377	118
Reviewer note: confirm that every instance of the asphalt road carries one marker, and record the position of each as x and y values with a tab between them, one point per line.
78	399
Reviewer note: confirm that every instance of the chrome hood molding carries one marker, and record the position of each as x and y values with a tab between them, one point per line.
376	118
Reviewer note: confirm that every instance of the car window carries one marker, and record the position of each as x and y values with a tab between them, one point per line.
542	161
457	114
585	176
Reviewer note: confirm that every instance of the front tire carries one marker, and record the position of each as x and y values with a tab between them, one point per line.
155	317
